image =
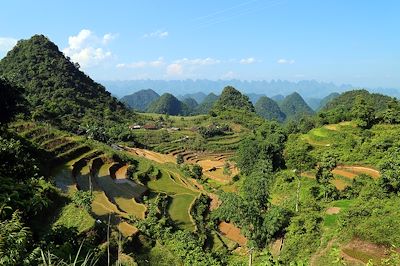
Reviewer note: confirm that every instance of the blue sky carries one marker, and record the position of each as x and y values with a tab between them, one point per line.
342	41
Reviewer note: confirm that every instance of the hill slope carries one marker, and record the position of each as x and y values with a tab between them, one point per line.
205	106
167	104
233	99
269	109
294	105
56	89
140	100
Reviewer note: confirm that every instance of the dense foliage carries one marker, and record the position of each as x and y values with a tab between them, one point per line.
269	109
168	104
207	104
339	109
231	98
294	106
56	89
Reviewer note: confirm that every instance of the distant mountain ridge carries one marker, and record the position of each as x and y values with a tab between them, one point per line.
307	88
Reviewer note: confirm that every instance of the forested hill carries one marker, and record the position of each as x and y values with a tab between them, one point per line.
294	105
168	104
140	100
233	99
269	109
56	89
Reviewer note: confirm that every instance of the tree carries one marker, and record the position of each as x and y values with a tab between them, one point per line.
298	159
392	114
390	169
324	174
197	171
364	112
83	199
11	101
14	239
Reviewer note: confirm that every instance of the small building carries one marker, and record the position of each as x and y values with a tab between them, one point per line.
150	127
133	127
174	129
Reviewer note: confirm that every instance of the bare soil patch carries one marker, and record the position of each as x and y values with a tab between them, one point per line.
232	232
333	210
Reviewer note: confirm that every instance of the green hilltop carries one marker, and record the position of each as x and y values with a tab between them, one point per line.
269	109
140	100
55	88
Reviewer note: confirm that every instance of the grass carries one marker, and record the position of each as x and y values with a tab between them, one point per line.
179	210
167	185
362	256
72	216
158	255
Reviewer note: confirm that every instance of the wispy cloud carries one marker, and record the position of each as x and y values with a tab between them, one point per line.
174	70
160	34
88	49
248	61
6	44
142	64
198	61
286	61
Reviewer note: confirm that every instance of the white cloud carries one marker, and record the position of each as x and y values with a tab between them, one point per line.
247	61
157	34
88	49
174	70
142	64
6	44
286	61
198	61
107	38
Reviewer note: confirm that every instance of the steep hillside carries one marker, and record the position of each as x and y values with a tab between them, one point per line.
140	100
56	89
191	105
167	104
233	99
198	96
206	105
346	100
269	109
327	99
294	105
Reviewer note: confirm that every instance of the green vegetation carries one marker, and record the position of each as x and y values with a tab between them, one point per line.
269	109
140	100
232	99
57	91
293	106
326	191
168	104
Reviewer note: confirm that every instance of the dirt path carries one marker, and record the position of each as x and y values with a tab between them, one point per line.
360	170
